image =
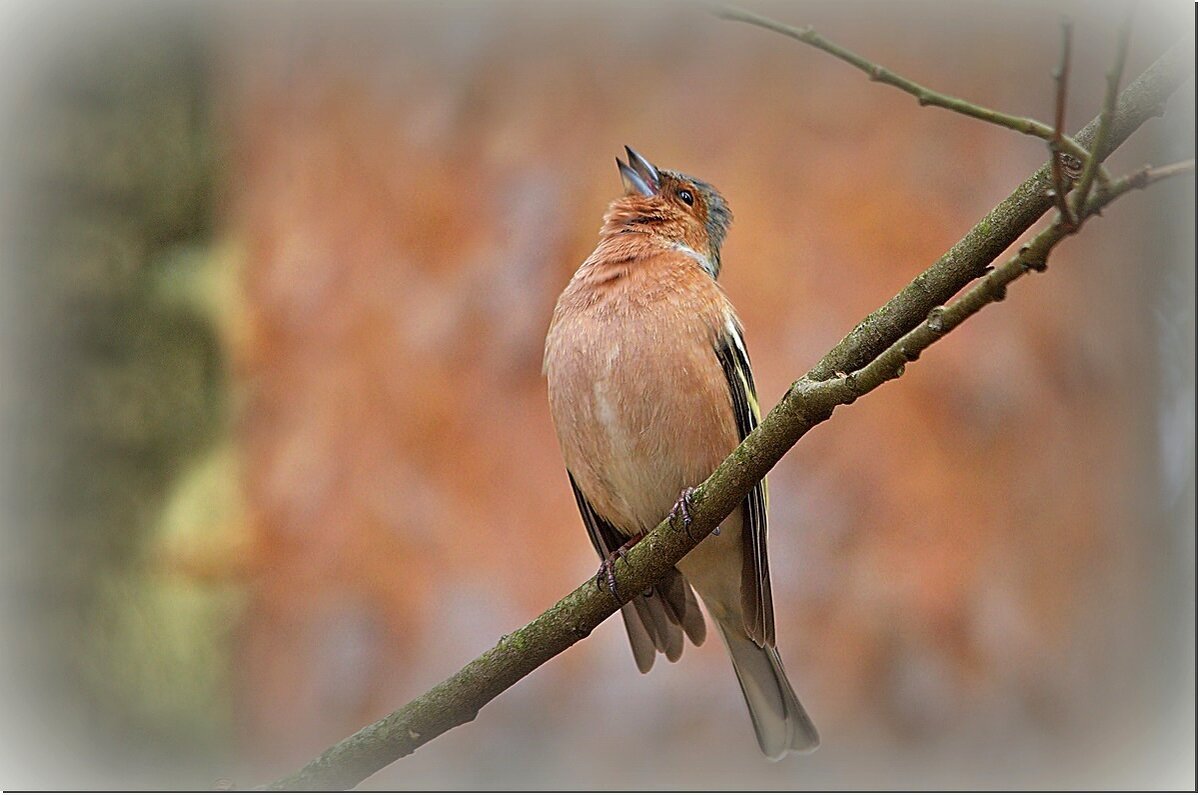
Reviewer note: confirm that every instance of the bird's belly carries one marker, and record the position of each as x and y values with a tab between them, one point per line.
656	427
658	448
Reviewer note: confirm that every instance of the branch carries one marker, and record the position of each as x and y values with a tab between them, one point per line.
994	287
923	94
1106	115
1147	176
1062	76
875	352
809	402
1142	100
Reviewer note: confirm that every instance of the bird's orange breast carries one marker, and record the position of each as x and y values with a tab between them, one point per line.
637	394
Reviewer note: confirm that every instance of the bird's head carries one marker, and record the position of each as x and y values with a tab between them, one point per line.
684	210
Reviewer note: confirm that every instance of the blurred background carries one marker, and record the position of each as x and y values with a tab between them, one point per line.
277	454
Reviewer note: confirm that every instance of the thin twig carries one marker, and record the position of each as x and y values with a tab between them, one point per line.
1091	164
1145	177
1141	100
1062	76
923	94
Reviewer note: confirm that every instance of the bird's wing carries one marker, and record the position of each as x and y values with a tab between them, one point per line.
652	619
757	610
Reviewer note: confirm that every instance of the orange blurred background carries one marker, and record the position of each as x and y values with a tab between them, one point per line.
984	572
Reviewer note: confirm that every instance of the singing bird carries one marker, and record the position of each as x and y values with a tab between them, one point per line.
650	389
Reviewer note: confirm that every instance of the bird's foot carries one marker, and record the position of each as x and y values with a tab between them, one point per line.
682	512
607	575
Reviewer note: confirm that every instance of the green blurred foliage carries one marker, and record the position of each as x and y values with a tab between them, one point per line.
118	407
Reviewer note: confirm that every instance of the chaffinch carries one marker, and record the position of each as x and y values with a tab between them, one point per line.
650	389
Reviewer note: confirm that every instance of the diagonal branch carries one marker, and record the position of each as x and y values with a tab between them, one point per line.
1142	100
809	402
1032	257
923	94
1000	228
873	353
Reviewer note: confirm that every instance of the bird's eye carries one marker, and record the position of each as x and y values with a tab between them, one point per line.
687	197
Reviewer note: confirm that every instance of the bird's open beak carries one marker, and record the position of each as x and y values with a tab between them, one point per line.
639	175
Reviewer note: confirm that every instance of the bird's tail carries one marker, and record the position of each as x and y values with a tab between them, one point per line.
780	722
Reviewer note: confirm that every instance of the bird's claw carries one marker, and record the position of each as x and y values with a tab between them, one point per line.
606	577
683	510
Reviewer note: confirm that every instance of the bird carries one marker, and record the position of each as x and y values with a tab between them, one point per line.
650	388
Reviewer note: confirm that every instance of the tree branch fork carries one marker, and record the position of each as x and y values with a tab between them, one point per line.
875	352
